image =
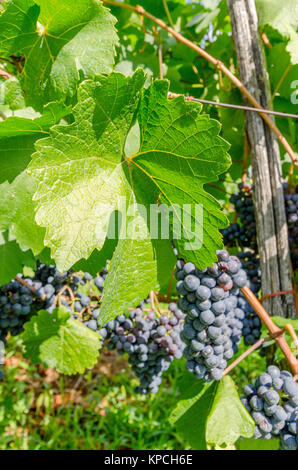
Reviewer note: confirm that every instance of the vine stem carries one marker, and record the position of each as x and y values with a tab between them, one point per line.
22	281
218	64
284	292
245	354
275	332
165	5
289	328
160	61
5	74
234	106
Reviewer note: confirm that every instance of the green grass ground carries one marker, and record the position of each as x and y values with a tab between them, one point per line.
97	410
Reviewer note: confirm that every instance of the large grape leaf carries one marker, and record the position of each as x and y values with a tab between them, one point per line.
131	276
84	177
57	341
63	39
180	152
80	170
211	414
282	16
17	209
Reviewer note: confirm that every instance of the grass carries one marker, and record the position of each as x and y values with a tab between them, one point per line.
42	410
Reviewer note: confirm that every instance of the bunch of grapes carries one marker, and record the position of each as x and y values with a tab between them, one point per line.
273	403
151	342
15	308
245	235
213	324
291	202
251	265
19	299
251	324
235	235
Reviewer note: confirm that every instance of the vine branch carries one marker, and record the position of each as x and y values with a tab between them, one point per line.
218	64
5	75
235	363
275	332
235	106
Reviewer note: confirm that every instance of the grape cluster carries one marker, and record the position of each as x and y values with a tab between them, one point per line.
235	234
151	342
15	307
291	202
213	324
251	265
245	234
273	403
251	324
20	300
84	309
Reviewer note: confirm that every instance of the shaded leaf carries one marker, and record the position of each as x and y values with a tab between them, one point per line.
56	341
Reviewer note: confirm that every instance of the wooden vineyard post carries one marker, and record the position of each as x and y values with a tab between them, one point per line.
270	213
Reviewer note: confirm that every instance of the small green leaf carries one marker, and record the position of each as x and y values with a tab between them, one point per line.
59	342
23	227
12	259
281	322
258	444
211	413
228	419
18	135
191	413
13	94
282	16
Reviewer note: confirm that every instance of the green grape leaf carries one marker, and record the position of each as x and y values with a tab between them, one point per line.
180	152
84	173
57	341
192	410
23	227
12	259
13	94
18	27
133	276
53	37
83	182
258	444
281	322
283	17
18	135
211	414
84	178
228	419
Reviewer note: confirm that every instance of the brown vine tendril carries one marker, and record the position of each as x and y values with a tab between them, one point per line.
255	346
283	292
276	333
